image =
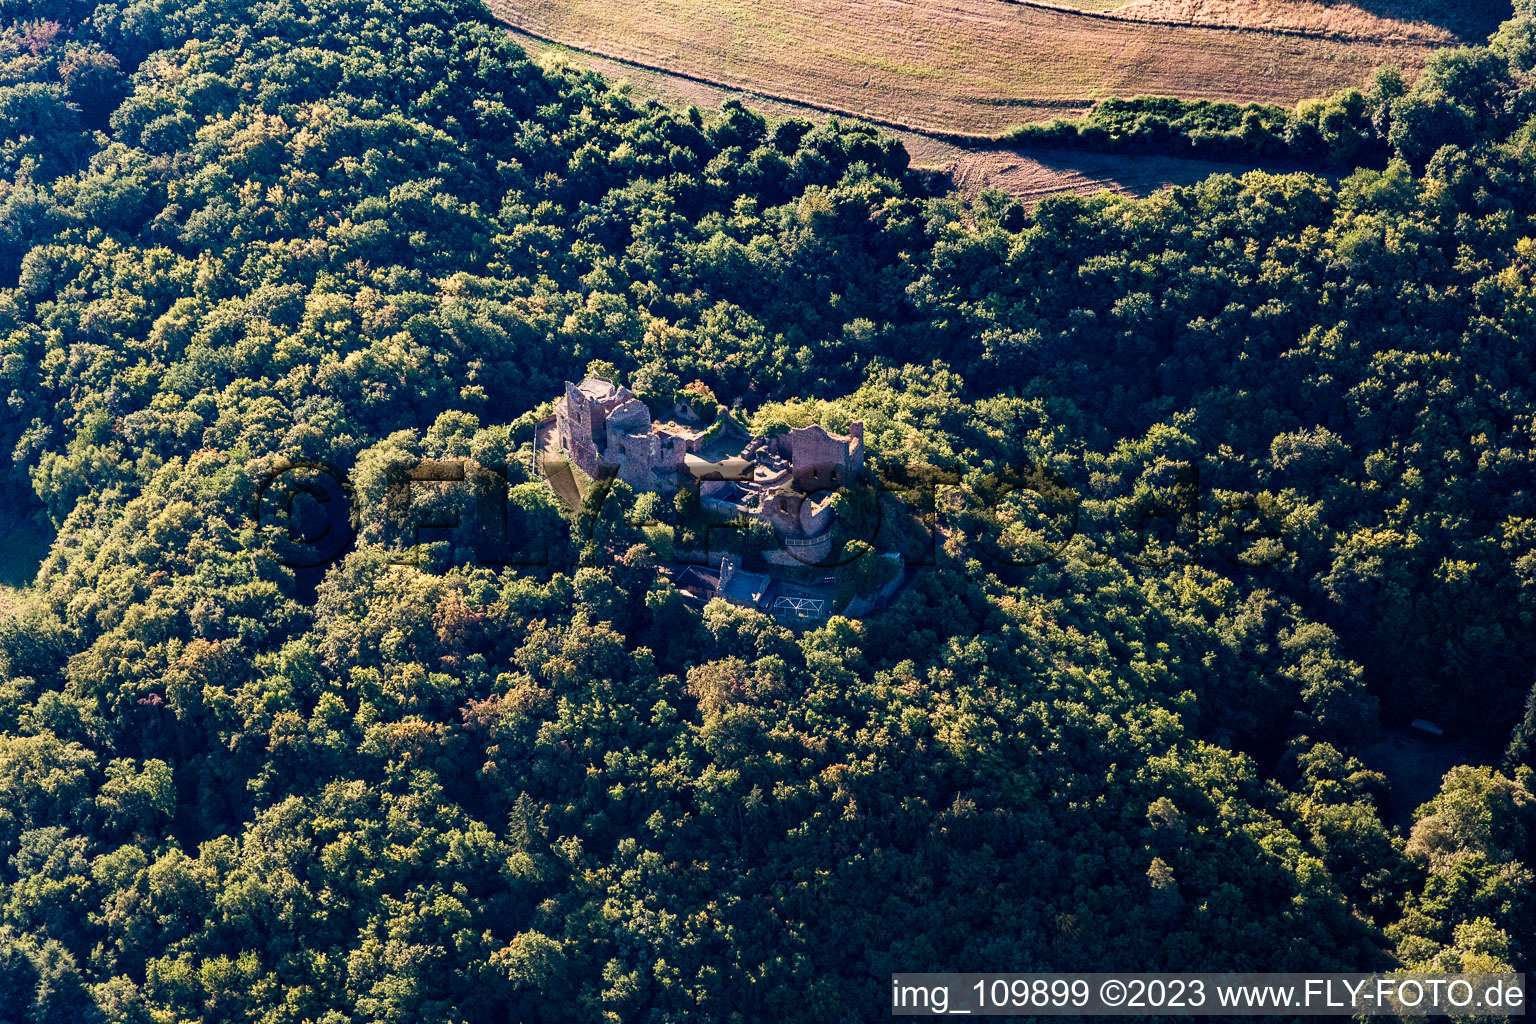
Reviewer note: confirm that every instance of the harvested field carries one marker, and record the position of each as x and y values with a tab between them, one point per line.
676	90
957	67
1030	175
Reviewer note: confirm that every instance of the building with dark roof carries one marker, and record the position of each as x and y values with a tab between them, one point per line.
793	604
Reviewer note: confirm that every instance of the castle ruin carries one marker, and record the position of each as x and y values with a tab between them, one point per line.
604	428
786	481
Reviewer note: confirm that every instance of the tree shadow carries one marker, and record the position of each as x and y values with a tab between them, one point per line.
24	544
1471	20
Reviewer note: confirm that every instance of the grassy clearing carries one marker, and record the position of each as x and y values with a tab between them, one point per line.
963	66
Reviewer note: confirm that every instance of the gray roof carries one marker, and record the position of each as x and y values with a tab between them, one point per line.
746	587
596	387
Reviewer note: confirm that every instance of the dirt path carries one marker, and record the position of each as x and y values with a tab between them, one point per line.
1030	175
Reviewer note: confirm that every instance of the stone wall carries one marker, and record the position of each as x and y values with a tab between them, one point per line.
581	425
822	460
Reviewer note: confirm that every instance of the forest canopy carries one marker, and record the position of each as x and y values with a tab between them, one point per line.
235	236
